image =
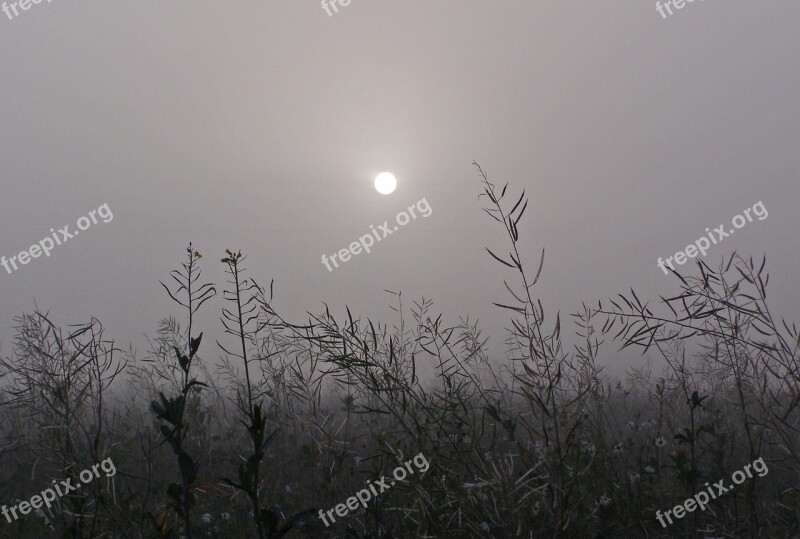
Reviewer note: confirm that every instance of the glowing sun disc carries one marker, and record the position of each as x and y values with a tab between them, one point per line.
385	183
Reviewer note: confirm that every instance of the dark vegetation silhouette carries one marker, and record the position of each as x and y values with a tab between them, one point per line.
284	418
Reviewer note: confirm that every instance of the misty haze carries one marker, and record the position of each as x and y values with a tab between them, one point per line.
361	269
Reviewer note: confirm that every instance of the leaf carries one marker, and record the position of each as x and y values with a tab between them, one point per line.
194	344
157	409
228	481
182	360
520	214
166	432
194	383
557	330
517	309
188	467
539	271
518	202
245	477
498	258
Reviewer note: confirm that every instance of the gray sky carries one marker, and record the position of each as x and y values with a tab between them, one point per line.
261	125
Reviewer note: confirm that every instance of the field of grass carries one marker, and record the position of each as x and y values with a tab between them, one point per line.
297	416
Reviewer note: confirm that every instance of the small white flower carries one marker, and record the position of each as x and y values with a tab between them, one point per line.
604	500
225	516
618	448
588	447
631	424
205	518
485	526
660	441
649	469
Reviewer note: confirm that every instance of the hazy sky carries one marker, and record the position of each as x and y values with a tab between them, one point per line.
261	125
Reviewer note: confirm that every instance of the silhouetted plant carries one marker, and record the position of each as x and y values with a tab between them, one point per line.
726	310
58	381
537	446
171	410
555	383
242	321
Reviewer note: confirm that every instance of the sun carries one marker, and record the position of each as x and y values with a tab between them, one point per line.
385	183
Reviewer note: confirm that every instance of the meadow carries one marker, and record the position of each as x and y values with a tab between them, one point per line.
248	428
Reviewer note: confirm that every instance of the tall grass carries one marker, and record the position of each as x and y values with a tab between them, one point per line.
282	418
